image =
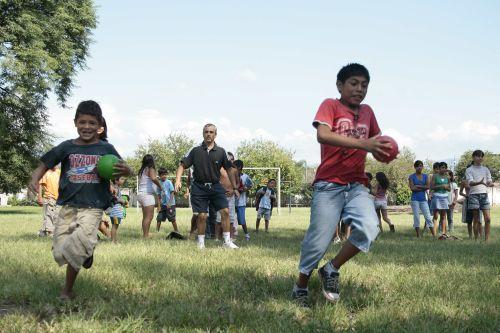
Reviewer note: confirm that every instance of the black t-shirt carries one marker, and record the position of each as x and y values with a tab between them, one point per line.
80	186
206	164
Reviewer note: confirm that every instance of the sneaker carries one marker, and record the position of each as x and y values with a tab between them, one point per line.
443	237
247	237
230	245
301	297
392	228
336	240
201	246
42	233
88	262
329	284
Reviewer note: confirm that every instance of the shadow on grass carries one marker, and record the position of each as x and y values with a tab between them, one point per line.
20	212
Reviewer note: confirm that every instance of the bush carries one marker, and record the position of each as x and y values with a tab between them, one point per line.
14	201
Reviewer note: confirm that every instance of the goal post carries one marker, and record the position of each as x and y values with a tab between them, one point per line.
278	182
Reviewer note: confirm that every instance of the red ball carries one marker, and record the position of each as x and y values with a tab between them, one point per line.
393	151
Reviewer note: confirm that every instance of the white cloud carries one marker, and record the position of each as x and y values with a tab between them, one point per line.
439	133
402	139
478	131
247	75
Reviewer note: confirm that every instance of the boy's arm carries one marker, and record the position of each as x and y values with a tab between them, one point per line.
36	176
325	136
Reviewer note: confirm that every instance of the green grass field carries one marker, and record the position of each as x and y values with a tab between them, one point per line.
403	285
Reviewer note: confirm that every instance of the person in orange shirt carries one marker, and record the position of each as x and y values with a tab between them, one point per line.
46	198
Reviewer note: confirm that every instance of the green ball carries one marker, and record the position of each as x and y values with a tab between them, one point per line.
105	166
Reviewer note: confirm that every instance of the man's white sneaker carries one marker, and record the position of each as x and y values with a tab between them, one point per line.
201	246
230	245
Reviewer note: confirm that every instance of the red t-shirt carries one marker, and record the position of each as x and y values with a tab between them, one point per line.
338	164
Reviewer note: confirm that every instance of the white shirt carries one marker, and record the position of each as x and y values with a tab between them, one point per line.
475	174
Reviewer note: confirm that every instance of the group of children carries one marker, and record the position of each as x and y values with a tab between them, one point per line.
435	197
346	130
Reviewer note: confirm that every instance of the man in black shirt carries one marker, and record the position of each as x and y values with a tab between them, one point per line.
207	159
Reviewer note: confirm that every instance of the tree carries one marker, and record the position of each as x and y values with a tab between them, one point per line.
492	161
42	45
167	151
397	172
264	153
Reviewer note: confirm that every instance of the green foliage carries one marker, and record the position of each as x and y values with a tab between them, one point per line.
397	172
264	153
167	151
42	45
492	161
14	201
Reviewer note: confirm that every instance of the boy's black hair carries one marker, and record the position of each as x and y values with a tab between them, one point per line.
443	164
435	165
270	180
162	171
452	177
382	180
350	70
417	163
478	153
104	135
369	175
90	108
238	164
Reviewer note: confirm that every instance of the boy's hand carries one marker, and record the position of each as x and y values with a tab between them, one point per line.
178	186
121	169
376	147
34	186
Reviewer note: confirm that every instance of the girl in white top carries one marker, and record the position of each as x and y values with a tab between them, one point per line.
146	195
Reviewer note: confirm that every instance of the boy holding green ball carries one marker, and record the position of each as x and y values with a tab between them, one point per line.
83	195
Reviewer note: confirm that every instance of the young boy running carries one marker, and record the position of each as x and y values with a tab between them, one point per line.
166	206
479	179
346	130
83	195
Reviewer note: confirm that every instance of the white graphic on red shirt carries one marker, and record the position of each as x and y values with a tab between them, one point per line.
345	127
83	168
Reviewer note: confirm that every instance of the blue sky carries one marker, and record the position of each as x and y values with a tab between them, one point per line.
260	69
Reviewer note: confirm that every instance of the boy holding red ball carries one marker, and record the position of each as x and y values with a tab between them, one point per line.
347	130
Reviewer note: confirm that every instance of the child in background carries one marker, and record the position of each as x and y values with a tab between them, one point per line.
467	216
264	198
381	200
83	195
116	213
440	185
452	200
47	197
419	184
479	179
166	204
241	202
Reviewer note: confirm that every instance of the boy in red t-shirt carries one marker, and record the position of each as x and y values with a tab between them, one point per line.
346	130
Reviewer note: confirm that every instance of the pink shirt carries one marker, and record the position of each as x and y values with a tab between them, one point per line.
338	164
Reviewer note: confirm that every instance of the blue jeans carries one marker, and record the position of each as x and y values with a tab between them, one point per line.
332	202
421	207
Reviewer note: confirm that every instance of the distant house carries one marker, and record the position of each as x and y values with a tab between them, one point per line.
3	199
